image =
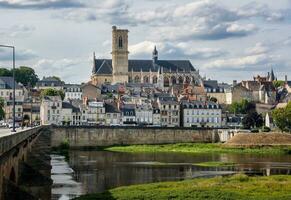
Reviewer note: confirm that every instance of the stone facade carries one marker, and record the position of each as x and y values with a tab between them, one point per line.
108	136
161	73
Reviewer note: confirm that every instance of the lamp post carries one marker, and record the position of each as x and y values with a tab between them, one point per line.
13	48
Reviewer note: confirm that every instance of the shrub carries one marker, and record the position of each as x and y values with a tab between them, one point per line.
266	129
255	130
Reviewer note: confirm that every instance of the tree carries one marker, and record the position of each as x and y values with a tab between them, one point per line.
5	72
252	120
26	76
23	75
213	99
278	84
57	78
52	92
282	118
242	107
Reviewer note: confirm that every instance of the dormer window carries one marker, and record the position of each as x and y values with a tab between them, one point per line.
120	42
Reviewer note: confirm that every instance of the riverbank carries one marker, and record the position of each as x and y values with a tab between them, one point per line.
246	140
200	148
237	187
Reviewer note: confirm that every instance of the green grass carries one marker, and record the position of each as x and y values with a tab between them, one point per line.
198	148
237	187
215	164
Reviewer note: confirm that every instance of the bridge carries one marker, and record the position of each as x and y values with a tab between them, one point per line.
25	169
25	164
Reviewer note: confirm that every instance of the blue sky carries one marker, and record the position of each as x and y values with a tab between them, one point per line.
224	39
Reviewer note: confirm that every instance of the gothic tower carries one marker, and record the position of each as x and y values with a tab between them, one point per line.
119	55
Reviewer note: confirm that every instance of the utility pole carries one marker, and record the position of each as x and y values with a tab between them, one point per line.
13	58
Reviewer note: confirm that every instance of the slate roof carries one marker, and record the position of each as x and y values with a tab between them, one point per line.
6	82
111	108
200	104
104	66
67	105
213	84
48	81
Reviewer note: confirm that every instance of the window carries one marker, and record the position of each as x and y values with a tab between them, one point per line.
120	42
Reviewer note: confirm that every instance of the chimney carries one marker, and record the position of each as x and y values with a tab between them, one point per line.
234	82
286	78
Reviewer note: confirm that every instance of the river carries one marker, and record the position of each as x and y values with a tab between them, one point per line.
97	171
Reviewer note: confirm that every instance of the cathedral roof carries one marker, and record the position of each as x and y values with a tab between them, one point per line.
104	66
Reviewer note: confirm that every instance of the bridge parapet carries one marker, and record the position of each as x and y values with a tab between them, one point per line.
7	142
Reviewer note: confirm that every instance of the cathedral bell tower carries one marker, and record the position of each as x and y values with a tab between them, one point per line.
119	55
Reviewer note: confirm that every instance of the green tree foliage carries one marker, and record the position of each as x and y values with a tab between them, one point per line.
278	83
242	107
252	120
24	75
213	99
282	118
57	78
52	92
5	72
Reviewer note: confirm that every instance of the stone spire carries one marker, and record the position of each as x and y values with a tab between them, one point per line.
94	64
272	76
155	55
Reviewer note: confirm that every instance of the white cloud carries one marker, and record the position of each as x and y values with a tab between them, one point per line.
259	48
17	31
173	50
67	69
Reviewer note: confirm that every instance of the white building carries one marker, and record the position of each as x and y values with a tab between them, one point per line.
73	91
144	113
113	115
70	115
50	110
93	113
156	116
201	114
128	114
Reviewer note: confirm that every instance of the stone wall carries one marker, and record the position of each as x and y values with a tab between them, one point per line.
108	136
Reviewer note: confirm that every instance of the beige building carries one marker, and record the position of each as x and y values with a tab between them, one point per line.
169	112
120	69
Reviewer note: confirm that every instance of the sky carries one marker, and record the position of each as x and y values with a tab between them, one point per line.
224	39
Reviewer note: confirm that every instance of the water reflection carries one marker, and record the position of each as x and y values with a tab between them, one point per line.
99	170
64	185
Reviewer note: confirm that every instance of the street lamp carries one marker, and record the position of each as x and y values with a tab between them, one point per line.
13	48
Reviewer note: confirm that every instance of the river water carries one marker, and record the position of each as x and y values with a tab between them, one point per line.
97	171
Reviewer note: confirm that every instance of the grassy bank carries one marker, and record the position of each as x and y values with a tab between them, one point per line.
237	187
199	148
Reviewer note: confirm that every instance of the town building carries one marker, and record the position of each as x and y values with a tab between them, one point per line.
113	115
144	113
216	90
6	89
120	69
170	111
156	115
200	114
128	114
73	91
93	113
90	91
50	82
50	110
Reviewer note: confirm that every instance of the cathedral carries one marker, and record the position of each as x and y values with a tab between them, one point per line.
120	69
